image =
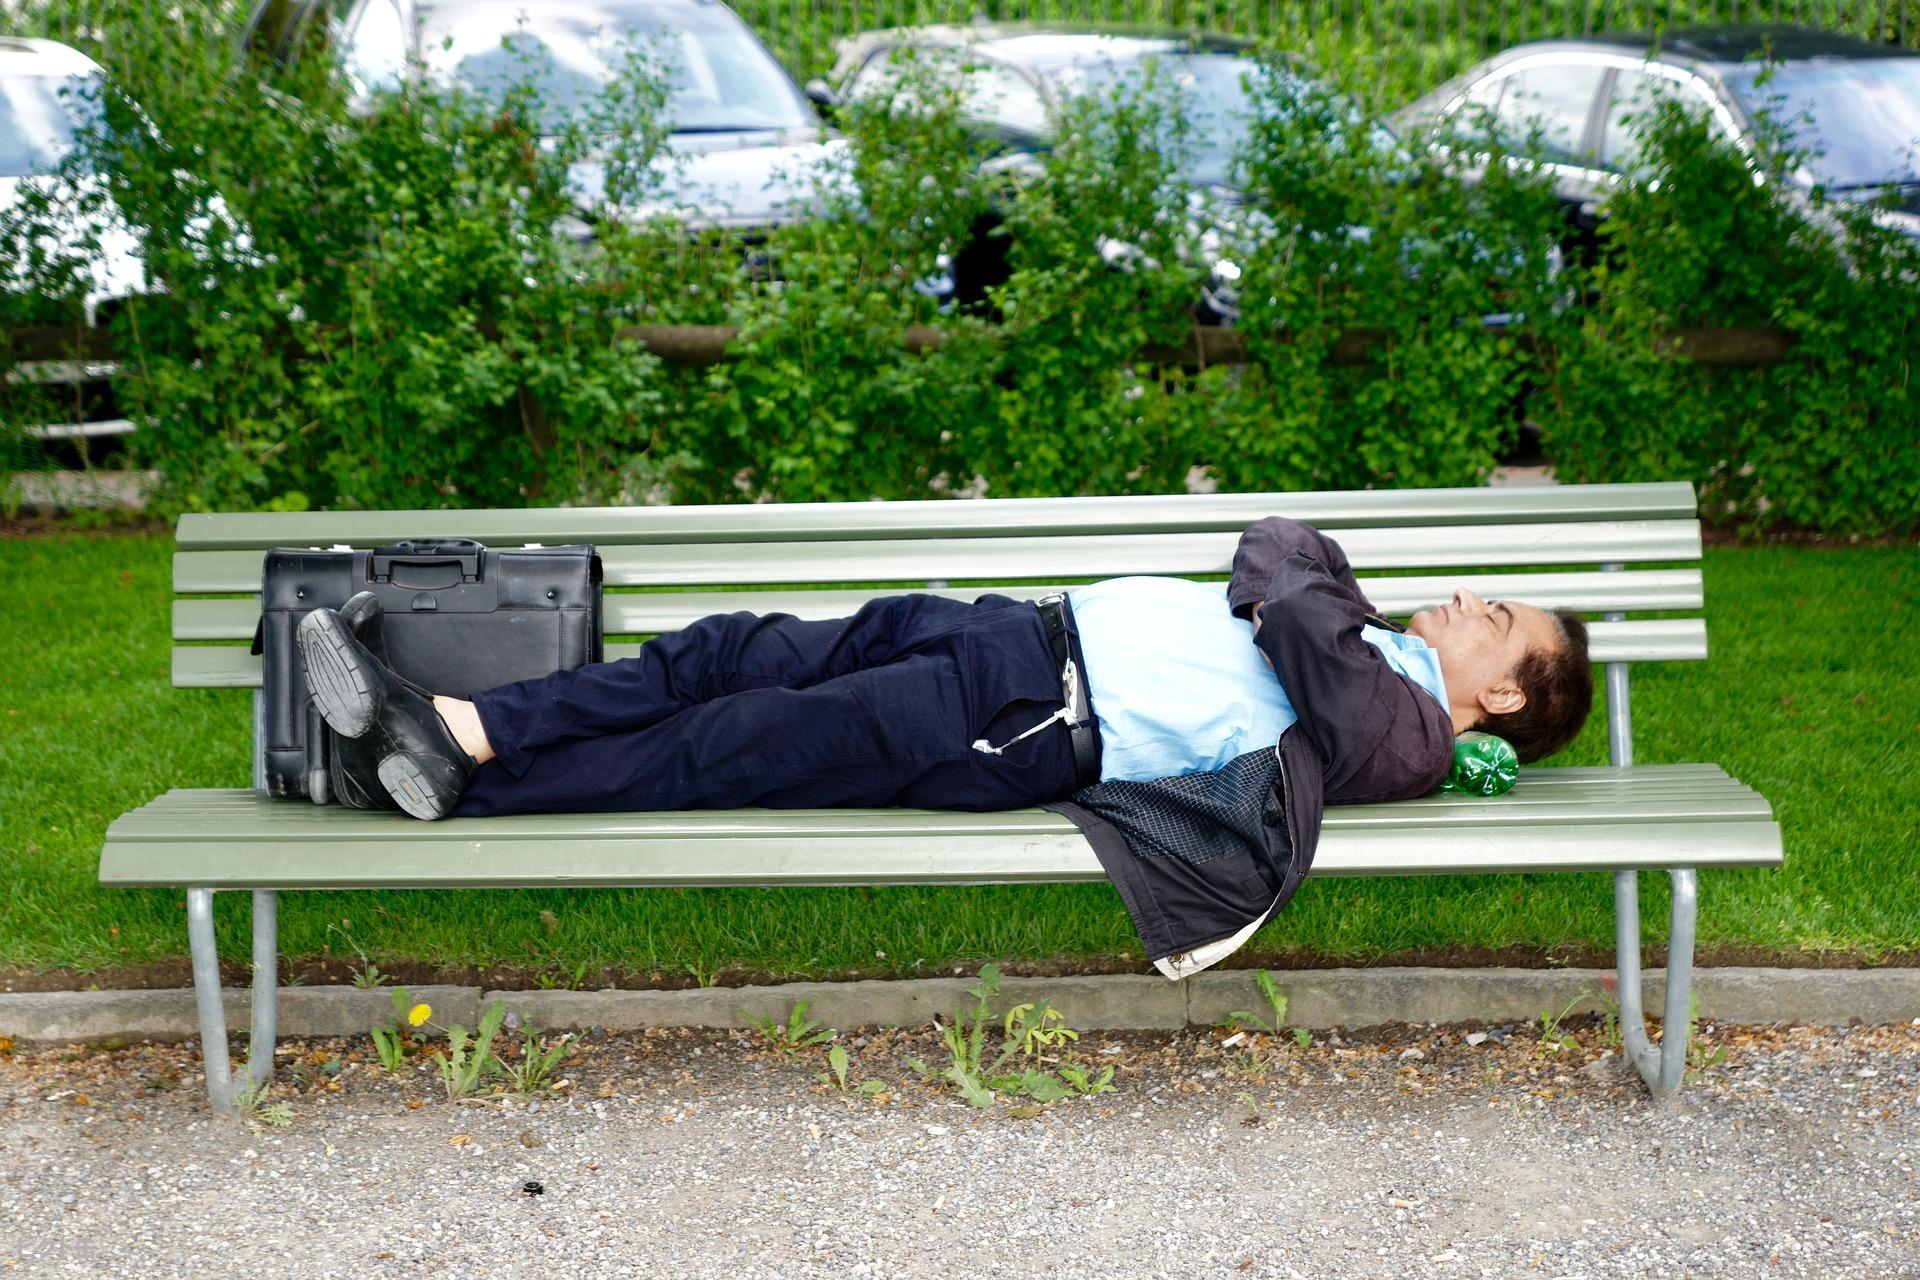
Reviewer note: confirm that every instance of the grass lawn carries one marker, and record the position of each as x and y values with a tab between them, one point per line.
1810	696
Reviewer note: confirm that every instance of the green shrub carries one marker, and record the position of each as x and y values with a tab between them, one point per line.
408	306
1370	234
1076	412
1822	439
822	400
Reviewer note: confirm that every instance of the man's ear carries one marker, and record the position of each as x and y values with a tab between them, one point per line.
1503	697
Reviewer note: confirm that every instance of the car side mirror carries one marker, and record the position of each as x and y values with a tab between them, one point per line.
823	97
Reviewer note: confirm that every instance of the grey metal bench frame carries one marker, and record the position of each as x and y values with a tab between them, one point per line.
1624	819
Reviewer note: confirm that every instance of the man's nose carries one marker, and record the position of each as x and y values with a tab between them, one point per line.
1467	602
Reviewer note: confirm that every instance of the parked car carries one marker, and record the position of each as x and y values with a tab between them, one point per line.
49	92
1852	106
1012	83
62	212
745	147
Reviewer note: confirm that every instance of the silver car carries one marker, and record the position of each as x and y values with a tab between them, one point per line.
1851	106
49	92
744	147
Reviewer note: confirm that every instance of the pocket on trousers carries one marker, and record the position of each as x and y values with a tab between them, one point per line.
1008	673
1004	730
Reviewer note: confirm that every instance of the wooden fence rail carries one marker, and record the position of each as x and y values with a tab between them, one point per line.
697	344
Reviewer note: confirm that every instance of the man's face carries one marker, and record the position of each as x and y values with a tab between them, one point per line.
1480	644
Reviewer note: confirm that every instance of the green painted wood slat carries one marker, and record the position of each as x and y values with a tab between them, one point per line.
834	521
649	613
296	824
230	666
797	858
1011	558
1536	781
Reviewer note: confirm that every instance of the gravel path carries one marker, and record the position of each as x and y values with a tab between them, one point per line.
1404	1152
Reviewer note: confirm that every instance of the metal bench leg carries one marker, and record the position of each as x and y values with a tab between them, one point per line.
206	995
266	986
1665	1067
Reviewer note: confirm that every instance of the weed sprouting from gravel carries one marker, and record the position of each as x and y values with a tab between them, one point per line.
1027	1031
798	1034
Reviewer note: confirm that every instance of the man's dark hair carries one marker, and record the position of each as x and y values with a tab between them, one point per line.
1559	688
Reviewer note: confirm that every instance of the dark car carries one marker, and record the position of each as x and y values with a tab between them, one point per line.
745	146
1012	82
1852	107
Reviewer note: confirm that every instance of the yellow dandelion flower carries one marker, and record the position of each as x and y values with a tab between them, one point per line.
419	1014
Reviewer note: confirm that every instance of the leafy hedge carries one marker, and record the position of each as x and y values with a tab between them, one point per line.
395	308
1826	439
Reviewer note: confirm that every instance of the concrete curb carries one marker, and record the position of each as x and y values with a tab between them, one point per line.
77	1016
1316	998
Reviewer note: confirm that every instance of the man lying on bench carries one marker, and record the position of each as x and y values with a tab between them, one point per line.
1145	709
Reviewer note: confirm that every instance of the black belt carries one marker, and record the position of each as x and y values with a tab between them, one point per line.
1064	639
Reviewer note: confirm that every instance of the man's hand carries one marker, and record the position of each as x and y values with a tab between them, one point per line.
1256	631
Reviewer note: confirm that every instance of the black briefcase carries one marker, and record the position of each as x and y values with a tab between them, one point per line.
460	617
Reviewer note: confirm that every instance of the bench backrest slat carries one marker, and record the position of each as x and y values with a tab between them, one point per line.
833	521
649	613
666	566
1021	557
231	666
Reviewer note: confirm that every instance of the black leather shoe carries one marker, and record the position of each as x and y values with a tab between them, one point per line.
355	762
420	764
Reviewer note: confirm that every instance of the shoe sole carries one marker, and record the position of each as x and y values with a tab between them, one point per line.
413	789
335	677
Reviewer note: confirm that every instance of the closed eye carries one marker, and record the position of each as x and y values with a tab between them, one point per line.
1509	616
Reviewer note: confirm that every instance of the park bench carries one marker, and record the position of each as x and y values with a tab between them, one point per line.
1569	546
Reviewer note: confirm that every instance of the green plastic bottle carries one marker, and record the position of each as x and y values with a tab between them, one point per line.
1483	765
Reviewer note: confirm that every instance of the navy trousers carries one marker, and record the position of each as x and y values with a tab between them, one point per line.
882	708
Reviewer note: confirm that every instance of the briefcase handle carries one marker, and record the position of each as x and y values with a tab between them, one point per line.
464	552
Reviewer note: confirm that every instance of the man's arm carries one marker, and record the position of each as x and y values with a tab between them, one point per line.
1267	543
1381	736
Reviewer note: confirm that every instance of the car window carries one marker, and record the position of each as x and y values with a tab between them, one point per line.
38	118
890	73
1856	122
1212	90
877	74
991	93
1001	98
1628	108
1470	122
1554	99
376	51
719	77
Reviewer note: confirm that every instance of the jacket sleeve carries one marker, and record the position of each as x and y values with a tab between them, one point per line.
1379	735
1268	542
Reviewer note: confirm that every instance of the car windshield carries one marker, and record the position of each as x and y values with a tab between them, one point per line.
1214	90
39	116
720	78
1857	119
1213	95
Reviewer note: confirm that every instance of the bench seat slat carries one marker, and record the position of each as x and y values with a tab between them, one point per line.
1535	779
1041	558
1683	816
780	861
326	824
648	613
746	522
192	821
801	858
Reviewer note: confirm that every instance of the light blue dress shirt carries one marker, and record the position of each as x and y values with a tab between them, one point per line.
1177	684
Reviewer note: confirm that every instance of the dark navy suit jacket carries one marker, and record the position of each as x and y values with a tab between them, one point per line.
1203	860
